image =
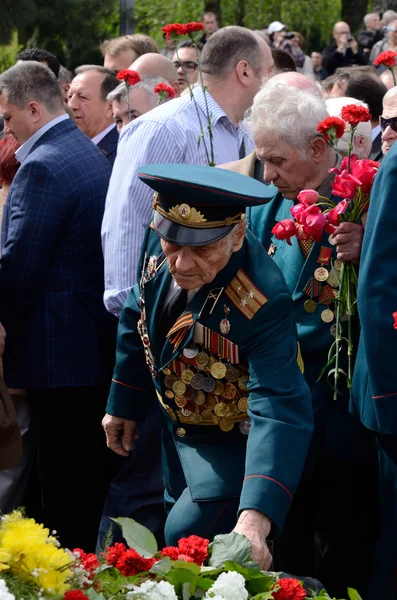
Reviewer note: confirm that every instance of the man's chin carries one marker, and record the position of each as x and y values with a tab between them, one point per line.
187	282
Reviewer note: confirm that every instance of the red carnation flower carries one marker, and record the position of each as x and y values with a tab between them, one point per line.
90	563
174	29
114	553
171	552
289	589
194	547
331	127
387	58
130	77
194	26
132	563
353	114
164	91
75	595
395	320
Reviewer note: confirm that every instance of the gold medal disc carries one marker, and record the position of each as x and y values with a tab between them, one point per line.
321	274
226	424
327	315
310	306
218	370
243	404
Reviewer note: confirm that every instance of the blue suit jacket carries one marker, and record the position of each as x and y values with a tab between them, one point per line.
51	269
108	145
374	394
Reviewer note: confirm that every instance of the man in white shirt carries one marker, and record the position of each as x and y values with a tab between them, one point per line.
92	111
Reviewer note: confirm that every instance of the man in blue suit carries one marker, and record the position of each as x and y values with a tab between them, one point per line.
60	338
374	391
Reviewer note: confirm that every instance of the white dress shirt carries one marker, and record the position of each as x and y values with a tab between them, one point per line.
24	150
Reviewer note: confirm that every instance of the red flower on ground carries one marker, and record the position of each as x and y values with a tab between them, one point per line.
353	114
114	553
174	29
285	230
132	563
395	320
165	91
75	595
289	589
187	558
194	547
130	77
89	562
387	58
331	127
194	26
171	552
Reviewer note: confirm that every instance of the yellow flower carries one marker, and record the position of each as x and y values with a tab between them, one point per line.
32	553
4	558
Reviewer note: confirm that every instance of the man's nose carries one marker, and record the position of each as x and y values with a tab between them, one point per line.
269	173
388	134
184	260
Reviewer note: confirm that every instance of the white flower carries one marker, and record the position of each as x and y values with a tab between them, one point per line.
150	590
4	593
230	586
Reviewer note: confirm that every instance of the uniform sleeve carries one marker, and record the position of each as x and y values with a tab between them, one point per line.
129	204
132	390
280	409
377	294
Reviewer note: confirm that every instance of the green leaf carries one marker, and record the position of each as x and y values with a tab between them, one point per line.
230	547
183	564
93	595
178	578
256	581
162	566
137	537
353	595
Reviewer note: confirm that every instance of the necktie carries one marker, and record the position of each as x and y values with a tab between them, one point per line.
172	311
241	151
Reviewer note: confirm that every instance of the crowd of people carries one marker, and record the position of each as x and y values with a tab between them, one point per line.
150	316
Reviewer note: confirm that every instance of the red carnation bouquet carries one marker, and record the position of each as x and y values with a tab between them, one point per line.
130	78
388	59
192	29
313	215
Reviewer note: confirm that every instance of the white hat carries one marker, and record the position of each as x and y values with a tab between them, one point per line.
274	27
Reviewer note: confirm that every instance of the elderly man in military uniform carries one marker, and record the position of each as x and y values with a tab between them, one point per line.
340	473
212	320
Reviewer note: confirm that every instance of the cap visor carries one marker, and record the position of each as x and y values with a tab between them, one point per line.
187	236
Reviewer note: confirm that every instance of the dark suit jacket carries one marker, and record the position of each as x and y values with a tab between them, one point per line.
376	150
108	145
51	270
332	59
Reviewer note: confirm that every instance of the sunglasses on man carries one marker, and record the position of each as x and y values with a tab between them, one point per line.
384	123
187	65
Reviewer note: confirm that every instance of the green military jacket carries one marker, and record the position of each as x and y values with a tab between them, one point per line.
246	437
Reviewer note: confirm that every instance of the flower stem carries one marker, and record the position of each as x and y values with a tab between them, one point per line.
349	312
128	101
338	331
209	122
394	75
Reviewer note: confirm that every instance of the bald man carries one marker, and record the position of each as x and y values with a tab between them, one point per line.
344	52
157	65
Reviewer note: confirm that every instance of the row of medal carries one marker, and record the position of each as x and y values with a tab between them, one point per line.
323	287
206	389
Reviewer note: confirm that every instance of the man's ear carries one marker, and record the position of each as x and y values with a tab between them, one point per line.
35	111
239	235
243	73
318	148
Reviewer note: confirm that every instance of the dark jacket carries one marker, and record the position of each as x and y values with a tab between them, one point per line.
332	59
108	145
51	270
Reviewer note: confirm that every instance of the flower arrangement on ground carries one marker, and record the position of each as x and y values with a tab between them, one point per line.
175	30
314	214
35	567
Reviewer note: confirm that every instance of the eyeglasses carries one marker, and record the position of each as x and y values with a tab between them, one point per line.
187	65
384	123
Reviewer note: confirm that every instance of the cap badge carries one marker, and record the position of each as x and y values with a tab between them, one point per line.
185	214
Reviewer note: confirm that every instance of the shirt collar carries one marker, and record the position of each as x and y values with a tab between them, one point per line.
214	110
375	132
25	149
95	140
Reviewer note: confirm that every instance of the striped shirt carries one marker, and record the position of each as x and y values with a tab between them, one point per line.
167	134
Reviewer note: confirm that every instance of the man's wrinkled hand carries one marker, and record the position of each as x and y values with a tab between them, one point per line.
120	434
2	339
256	527
348	239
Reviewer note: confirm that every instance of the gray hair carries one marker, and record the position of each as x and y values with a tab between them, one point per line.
30	80
109	80
290	114
64	75
227	47
146	83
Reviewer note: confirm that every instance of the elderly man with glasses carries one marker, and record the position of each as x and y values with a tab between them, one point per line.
186	63
388	120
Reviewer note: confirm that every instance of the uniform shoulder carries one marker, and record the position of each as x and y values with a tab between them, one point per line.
258	281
